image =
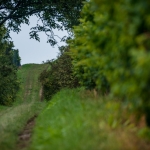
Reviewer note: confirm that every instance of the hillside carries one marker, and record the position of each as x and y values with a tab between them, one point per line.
27	105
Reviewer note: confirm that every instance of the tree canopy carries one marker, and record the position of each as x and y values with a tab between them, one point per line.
51	14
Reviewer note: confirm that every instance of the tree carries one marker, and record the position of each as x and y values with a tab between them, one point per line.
112	41
9	84
52	13
16	58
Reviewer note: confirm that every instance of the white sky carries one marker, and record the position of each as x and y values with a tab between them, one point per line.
32	51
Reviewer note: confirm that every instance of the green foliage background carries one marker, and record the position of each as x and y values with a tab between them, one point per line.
111	50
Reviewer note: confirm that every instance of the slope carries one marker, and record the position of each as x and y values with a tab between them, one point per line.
27	105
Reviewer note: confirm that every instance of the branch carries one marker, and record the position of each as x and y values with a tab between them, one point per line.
27	14
3	7
4	20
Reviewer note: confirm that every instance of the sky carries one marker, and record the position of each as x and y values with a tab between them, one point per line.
32	51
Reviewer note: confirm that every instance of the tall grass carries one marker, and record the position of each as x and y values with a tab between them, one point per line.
72	122
77	120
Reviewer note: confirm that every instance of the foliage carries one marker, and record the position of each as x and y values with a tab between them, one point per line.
9	83
51	14
16	58
112	43
84	53
60	74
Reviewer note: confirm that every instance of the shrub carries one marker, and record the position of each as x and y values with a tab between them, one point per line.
60	74
112	46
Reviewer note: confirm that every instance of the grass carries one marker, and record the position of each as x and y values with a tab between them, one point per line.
13	119
76	120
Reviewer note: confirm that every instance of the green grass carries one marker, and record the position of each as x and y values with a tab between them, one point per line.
13	119
71	122
73	119
76	120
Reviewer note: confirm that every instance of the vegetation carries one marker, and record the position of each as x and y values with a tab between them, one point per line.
12	15
16	58
108	55
75	119
111	51
9	83
51	14
28	104
59	76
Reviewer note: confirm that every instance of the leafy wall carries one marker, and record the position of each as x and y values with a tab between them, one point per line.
111	50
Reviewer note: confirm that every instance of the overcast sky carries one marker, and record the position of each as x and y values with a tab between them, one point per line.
32	51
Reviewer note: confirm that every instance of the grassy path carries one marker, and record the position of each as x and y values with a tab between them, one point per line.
27	105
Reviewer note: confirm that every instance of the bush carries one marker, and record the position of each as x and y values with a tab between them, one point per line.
112	46
60	75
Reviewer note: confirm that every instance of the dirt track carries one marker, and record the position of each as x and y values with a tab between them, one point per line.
25	135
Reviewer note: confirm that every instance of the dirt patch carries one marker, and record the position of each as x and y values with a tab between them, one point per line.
25	136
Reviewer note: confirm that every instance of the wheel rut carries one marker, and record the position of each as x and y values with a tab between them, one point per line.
24	137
